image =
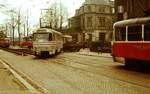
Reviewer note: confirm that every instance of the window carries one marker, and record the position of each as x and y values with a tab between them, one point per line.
41	36
101	9
113	10
147	33
50	37
120	34
101	36
120	9
89	8
89	21
101	21
135	33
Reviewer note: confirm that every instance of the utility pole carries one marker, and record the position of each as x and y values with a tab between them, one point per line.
50	13
24	27
13	30
19	27
60	16
27	23
6	30
55	15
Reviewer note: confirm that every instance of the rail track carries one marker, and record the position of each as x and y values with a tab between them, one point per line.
19	51
99	70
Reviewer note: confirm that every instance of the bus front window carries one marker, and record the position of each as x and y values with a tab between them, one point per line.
41	36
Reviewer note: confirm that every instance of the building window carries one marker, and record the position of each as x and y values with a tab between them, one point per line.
89	8
102	37
101	21
120	9
89	21
101	9
113	10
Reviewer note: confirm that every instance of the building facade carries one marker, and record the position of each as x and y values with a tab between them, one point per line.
93	21
126	9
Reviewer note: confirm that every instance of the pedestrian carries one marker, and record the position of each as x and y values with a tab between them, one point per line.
99	49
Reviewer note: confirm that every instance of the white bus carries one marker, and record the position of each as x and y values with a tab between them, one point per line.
47	42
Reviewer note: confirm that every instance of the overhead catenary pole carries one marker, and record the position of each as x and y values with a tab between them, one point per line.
19	27
24	26
49	10
60	16
13	30
55	14
27	23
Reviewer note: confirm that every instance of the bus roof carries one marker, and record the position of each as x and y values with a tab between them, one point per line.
132	22
67	36
46	30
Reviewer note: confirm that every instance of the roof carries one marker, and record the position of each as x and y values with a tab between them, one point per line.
132	22
43	30
102	2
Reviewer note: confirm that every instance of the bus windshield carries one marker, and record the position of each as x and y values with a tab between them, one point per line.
42	36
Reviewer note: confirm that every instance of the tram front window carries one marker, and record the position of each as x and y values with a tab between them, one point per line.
42	37
120	34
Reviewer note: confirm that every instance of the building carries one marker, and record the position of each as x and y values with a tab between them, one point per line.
126	9
93	21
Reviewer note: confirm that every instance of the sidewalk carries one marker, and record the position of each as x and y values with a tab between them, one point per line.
87	52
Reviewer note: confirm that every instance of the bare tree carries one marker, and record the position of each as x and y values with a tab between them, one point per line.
56	15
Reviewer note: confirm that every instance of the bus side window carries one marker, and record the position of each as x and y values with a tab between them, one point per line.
50	36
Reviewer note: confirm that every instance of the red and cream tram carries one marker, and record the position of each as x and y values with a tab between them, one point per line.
131	40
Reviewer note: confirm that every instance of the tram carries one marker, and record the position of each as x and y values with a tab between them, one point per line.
69	45
27	42
47	42
131	41
67	38
4	41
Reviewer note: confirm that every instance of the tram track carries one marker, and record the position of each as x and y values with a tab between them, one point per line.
92	69
103	69
23	52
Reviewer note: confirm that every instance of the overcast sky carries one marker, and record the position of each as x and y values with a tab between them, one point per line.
35	5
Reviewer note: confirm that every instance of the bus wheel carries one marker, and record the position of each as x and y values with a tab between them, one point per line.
56	52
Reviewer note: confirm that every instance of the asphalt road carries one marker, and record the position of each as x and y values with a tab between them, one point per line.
73	73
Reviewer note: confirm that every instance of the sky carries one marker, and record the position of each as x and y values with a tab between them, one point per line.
34	7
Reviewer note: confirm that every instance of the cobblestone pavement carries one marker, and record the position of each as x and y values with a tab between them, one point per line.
9	84
87	52
72	73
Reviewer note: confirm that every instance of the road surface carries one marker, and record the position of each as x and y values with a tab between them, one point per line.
73	73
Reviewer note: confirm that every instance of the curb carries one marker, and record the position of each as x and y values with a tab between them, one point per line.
31	85
95	55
